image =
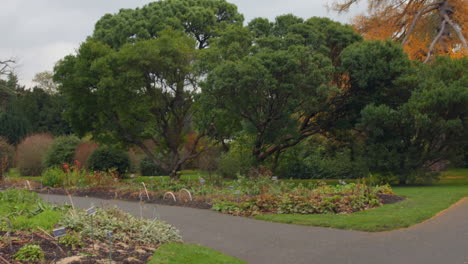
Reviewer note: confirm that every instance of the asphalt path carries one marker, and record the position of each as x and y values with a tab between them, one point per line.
440	240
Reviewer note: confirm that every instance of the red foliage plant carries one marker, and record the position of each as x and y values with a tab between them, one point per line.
30	154
83	151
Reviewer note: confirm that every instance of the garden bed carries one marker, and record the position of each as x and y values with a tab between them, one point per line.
90	252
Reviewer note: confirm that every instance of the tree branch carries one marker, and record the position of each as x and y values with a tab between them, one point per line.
457	30
436	39
416	19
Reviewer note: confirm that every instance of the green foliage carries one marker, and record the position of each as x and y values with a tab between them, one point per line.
43	111
200	19
125	227
13	125
53	177
62	151
270	79
323	199
174	253
71	240
106	158
238	160
148	168
422	203
93	80
321	161
29	253
26	211
405	141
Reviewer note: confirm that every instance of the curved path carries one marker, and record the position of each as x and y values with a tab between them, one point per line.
440	240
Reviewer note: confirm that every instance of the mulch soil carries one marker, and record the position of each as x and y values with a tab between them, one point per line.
57	253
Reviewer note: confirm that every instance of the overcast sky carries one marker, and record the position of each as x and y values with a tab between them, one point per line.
37	33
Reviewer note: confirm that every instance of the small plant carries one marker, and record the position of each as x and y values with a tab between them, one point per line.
53	177
71	240
29	253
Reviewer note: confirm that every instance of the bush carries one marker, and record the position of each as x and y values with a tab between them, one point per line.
238	160
84	151
30	154
105	158
53	177
149	168
7	152
62	151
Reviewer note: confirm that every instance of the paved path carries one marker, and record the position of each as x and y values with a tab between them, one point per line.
441	240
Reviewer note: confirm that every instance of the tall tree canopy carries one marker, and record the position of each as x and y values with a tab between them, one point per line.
424	27
201	19
134	78
287	80
144	91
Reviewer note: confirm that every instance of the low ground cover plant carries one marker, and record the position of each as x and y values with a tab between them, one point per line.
85	239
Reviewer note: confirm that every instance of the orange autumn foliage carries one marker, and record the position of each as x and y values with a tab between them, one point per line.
417	24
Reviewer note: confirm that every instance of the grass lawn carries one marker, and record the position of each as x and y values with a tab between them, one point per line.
173	253
422	203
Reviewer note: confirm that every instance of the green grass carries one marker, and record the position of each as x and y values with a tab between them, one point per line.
422	203
17	207
174	253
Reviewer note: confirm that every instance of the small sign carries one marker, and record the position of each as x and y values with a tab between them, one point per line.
37	211
109	234
231	187
59	232
237	192
274	178
91	211
202	181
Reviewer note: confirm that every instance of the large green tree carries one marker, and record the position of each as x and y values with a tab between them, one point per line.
144	91
200	19
287	80
134	80
406	140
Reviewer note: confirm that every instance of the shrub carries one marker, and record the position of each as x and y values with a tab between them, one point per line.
149	168
84	151
7	152
105	158
62	151
30	154
53	177
29	253
238	160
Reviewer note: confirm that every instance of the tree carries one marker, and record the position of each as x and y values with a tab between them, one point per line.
45	81
143	91
430	127
424	27
44	111
277	81
200	19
